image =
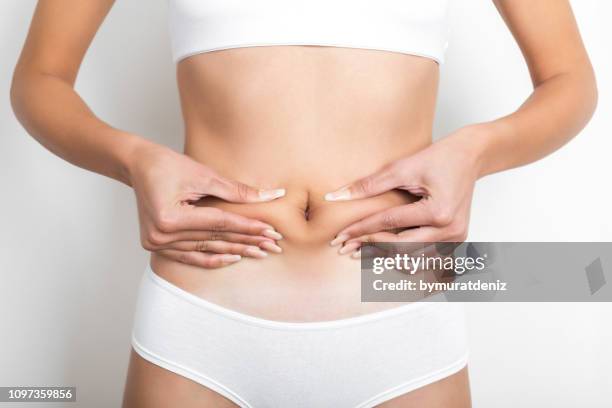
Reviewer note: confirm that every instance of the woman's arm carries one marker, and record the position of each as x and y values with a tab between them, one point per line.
565	91
444	174
165	182
43	94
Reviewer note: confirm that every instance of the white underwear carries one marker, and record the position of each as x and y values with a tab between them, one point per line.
359	361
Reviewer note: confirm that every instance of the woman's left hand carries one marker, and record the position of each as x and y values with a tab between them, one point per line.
443	175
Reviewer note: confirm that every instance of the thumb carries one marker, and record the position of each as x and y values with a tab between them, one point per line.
237	192
377	183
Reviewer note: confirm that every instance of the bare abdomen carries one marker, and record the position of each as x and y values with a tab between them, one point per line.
308	119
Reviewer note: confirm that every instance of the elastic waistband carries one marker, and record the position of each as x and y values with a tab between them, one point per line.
410	309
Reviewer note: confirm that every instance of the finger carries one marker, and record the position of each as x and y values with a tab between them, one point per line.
372	185
413	240
237	192
386	237
215	219
424	234
405	216
218	247
271	246
410	240
406	236
194	235
375	237
201	259
349	248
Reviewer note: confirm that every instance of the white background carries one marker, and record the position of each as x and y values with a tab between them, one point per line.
70	257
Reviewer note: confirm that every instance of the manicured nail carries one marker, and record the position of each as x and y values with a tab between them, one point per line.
228	259
342	194
271	246
255	252
270	233
356	254
349	248
267	195
339	239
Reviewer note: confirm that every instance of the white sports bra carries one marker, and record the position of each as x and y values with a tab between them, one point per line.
416	27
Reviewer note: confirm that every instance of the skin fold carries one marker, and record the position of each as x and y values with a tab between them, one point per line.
291	149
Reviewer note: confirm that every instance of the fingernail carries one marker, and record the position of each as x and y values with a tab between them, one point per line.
270	233
339	239
270	246
342	194
267	195
349	248
356	255
230	258
255	252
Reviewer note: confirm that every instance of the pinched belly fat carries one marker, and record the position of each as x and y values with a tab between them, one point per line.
305	219
309	280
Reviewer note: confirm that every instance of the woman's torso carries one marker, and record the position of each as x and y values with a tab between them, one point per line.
309	119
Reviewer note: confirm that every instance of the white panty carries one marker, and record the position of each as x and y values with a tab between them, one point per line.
360	361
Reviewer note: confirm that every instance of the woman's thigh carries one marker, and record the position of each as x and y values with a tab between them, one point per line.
450	392
151	386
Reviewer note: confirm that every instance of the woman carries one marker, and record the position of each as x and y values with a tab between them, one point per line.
307	124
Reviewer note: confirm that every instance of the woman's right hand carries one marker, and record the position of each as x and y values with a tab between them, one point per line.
167	183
